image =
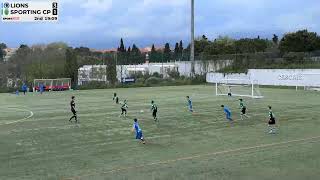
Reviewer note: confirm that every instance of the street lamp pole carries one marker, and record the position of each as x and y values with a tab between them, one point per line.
192	40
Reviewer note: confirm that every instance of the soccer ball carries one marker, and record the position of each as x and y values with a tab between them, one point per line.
141	111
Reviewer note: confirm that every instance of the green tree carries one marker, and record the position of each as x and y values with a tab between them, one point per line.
23	46
82	51
247	45
275	39
136	55
129	57
221	45
181	47
177	54
167	53
200	44
153	54
186	53
300	41
57	45
122	48
111	69
71	66
122	54
3	46
20	60
39	61
2	51
181	51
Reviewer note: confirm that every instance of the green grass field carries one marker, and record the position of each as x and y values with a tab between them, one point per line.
38	142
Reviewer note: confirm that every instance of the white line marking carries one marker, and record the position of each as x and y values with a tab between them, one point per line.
196	156
20	120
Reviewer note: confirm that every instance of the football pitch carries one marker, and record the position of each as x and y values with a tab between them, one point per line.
37	141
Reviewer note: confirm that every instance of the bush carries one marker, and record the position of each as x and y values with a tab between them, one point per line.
7	90
156	74
137	75
198	79
294	57
140	81
180	82
152	81
173	73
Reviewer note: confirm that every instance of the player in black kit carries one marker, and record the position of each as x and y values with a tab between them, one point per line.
73	109
115	98
154	110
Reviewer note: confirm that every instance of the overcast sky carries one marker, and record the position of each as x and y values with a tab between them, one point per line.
101	23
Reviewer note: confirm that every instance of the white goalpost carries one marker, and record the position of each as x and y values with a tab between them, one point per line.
60	84
313	83
238	87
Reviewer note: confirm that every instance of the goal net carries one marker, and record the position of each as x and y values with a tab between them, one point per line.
238	87
61	84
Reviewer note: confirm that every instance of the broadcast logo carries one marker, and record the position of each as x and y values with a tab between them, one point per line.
5	9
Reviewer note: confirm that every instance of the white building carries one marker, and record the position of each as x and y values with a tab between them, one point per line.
98	73
127	71
89	73
9	53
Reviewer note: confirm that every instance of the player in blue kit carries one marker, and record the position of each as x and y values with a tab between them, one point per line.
138	131
189	104
227	112
24	88
42	88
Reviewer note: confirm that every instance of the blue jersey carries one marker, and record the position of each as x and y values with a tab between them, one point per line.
24	87
137	127
189	102
226	109
228	113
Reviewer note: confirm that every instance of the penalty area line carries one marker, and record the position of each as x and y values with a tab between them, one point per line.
194	157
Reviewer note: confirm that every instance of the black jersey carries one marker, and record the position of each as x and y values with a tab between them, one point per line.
272	119
154	107
124	106
72	105
271	115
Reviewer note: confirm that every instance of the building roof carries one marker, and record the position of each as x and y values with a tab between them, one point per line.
104	50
